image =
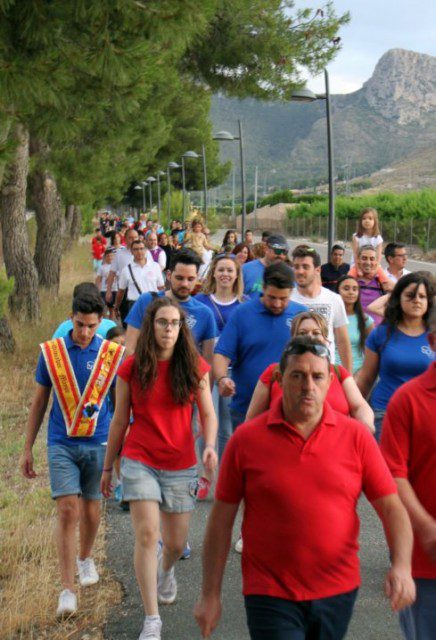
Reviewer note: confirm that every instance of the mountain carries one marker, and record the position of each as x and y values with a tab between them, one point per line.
392	116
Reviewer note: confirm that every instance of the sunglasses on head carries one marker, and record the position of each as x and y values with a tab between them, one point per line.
320	350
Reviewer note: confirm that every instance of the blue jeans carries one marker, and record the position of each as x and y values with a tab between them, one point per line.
418	622
379	414
75	470
236	418
271	618
222	410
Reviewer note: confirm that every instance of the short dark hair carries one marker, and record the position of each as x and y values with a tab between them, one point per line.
248	231
86	288
265	235
115	332
303	341
87	303
391	247
337	247
278	275
138	241
305	251
185	256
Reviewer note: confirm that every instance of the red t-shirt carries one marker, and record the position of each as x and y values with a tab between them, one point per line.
98	248
300	526
408	443
161	433
335	396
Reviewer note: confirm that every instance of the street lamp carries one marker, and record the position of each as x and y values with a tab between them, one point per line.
171	165
305	95
195	156
223	136
150	181
143	194
159	175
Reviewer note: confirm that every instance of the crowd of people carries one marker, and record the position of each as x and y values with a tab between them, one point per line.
295	385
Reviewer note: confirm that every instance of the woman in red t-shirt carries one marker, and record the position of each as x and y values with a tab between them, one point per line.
343	394
159	385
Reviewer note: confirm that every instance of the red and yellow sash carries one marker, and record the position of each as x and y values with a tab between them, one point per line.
81	411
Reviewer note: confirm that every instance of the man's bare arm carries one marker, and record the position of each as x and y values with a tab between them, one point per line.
216	548
399	585
343	344
424	525
132	335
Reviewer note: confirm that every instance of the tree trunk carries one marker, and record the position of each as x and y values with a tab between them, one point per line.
76	225
69	214
24	300
7	342
49	220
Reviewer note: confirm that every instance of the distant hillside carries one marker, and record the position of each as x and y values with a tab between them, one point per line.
415	171
392	116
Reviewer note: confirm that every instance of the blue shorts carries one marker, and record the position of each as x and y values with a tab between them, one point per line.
174	490
75	470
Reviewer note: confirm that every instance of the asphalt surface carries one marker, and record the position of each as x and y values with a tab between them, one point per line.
372	618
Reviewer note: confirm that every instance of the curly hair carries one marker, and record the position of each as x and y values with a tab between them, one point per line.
394	312
184	372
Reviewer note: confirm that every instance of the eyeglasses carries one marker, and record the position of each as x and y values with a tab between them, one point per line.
164	324
317	349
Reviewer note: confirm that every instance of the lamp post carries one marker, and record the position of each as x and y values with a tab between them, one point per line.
305	95
150	181
171	165
159	175
225	135
195	156
203	156
143	193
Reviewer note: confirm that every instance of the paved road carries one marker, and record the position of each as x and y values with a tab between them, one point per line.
372	619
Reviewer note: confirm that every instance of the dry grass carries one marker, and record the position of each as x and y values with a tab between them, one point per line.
29	577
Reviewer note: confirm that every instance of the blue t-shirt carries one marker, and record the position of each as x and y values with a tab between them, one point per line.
65	327
221	312
82	361
253	339
199	318
252	273
402	357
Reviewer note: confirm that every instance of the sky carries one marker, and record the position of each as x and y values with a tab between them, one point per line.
375	27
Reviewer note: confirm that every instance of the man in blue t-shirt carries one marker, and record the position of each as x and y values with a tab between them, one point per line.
182	276
276	250
254	338
75	463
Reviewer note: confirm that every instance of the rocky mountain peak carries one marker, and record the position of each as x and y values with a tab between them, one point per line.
403	86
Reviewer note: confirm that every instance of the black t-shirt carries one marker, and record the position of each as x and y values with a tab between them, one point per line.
330	275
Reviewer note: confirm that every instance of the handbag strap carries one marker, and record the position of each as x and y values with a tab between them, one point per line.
134	281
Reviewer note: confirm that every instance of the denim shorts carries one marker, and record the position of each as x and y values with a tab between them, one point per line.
174	490
75	470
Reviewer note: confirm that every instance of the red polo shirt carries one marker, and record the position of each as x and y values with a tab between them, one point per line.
300	525
408	443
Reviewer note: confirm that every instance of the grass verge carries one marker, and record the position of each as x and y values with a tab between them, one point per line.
29	577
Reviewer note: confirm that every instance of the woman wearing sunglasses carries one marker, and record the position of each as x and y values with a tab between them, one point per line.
158	385
343	394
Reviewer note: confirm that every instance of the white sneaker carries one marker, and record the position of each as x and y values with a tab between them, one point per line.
67	604
239	544
166	583
151	629
87	572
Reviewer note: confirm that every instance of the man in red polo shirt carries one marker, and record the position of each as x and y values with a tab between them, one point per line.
300	469
409	445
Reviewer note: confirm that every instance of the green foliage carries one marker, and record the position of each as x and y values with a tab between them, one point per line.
6	288
417	204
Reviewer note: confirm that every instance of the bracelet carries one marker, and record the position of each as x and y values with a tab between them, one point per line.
107	470
222	378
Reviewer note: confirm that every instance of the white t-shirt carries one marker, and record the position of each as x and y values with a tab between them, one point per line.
394	278
329	305
149	278
123	257
103	272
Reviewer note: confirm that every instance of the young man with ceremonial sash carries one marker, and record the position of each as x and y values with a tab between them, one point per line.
81	368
